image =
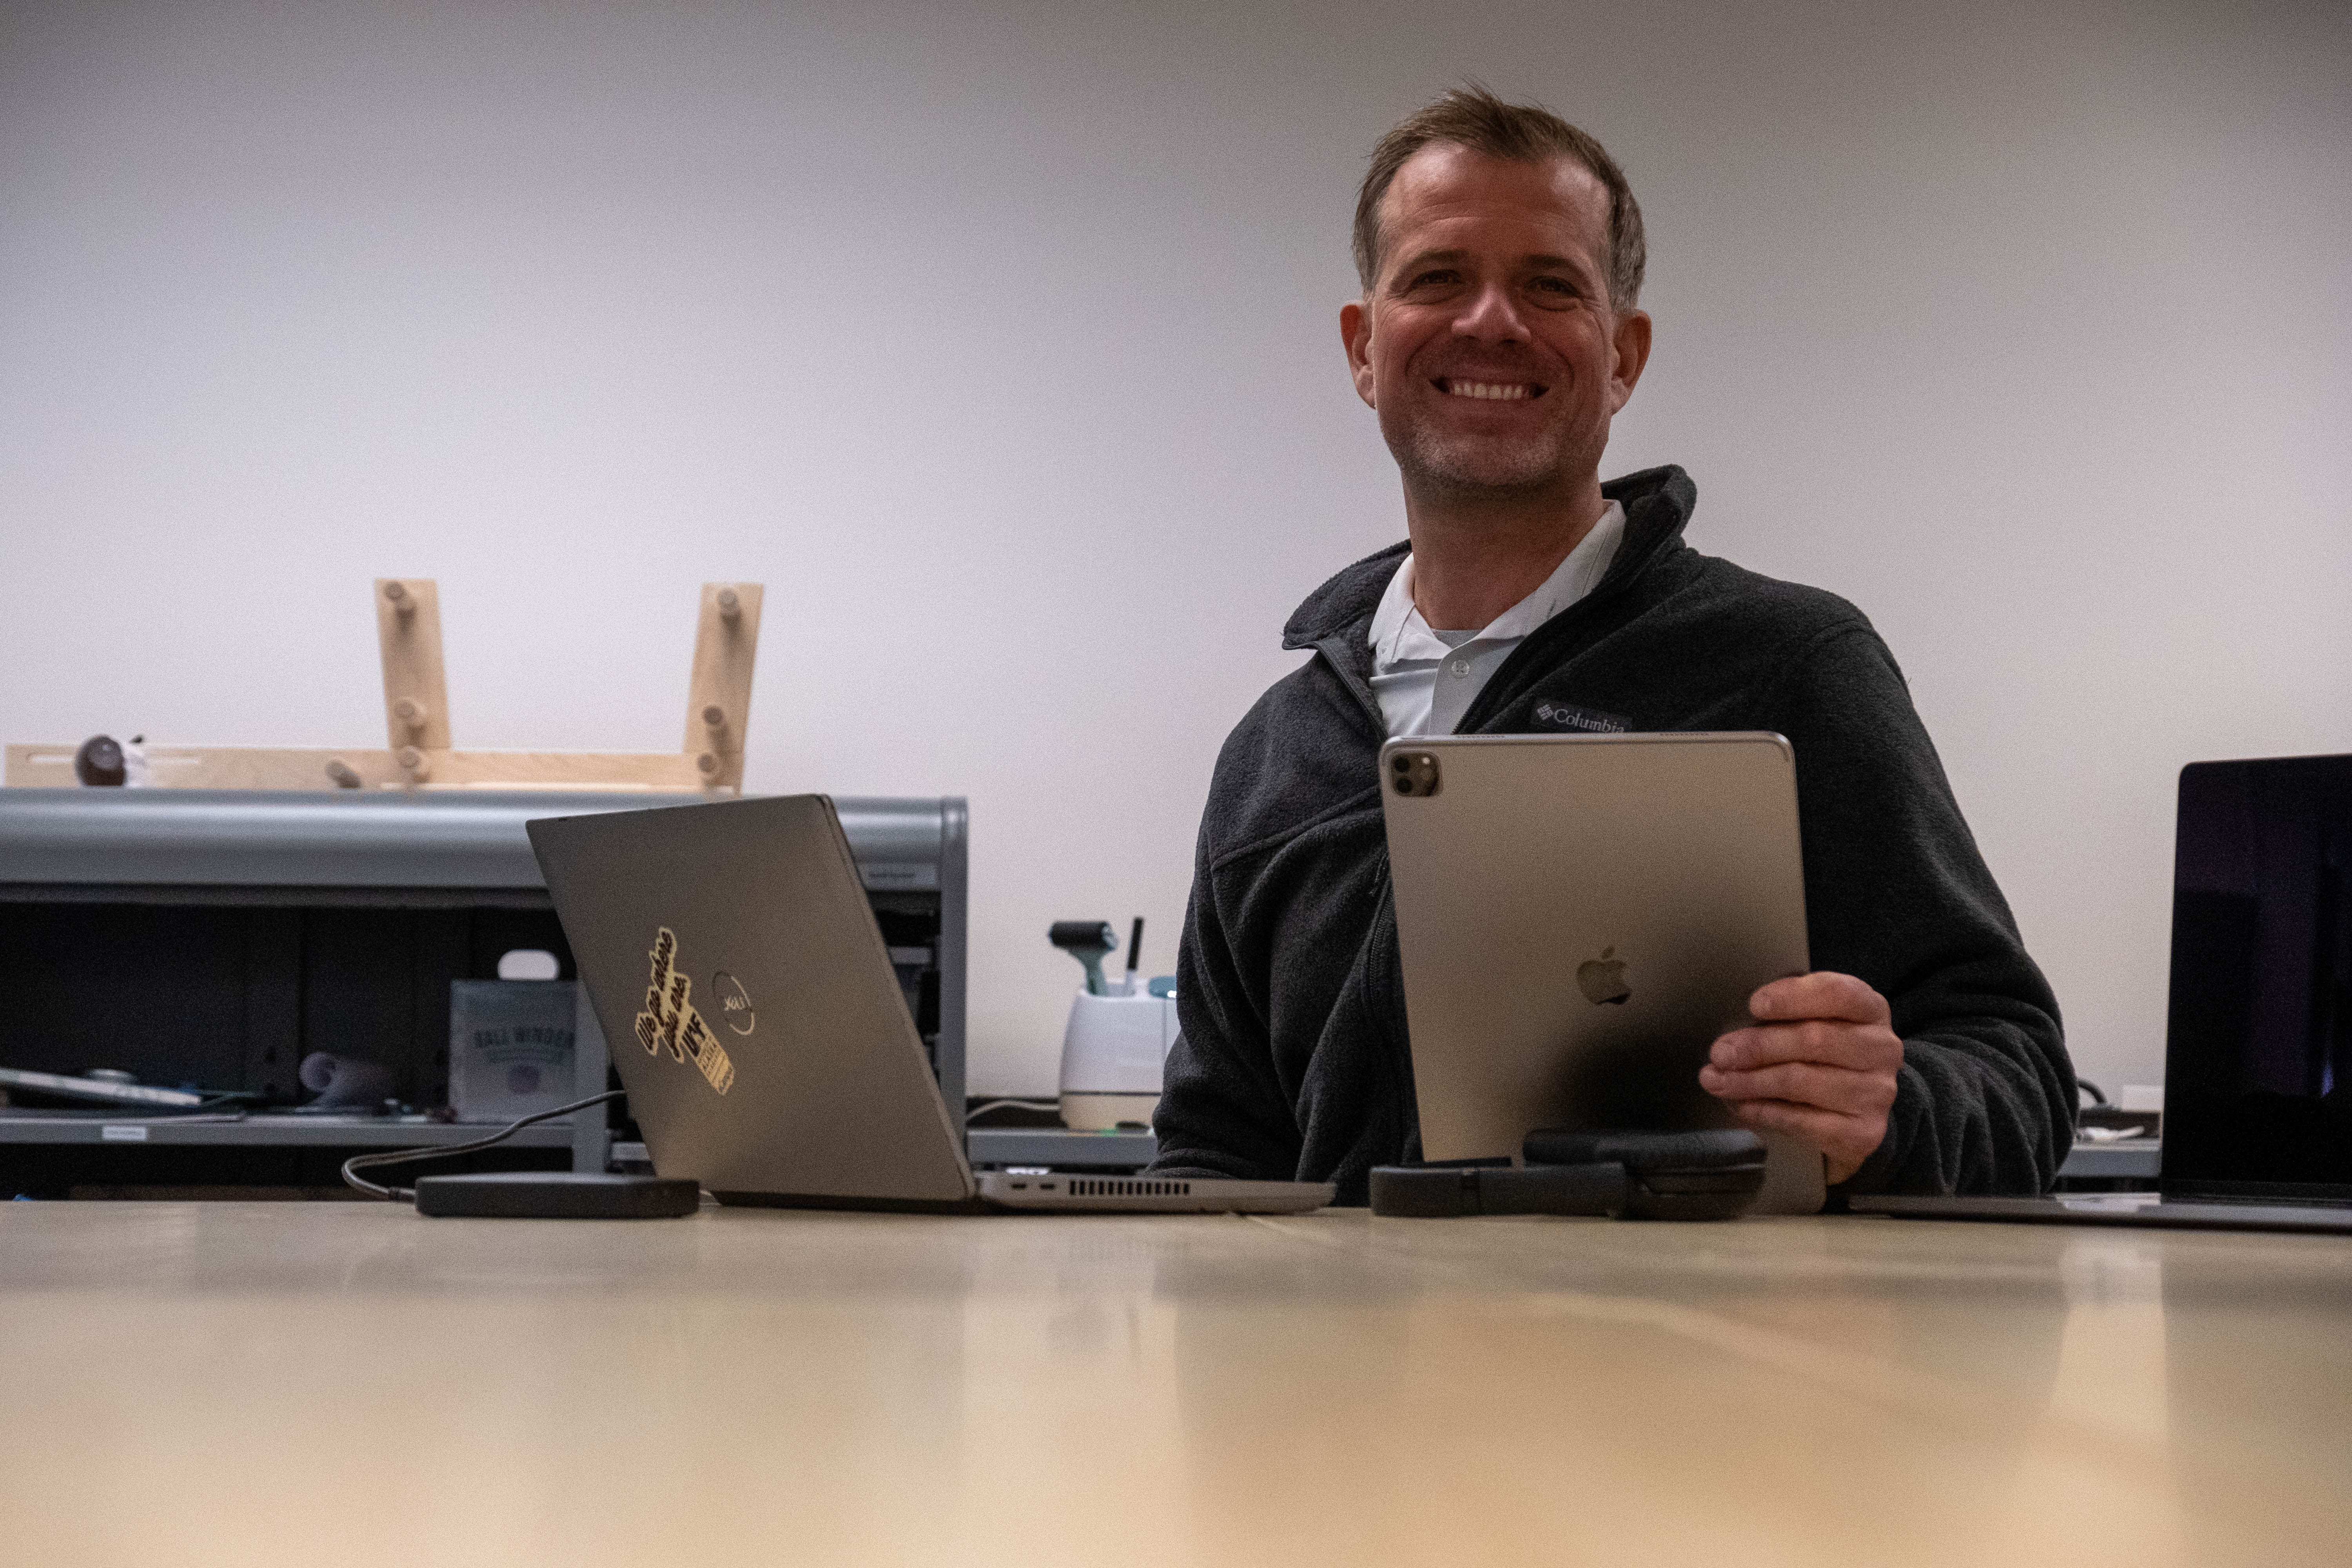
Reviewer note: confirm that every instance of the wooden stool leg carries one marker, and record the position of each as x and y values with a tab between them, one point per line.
415	693
719	692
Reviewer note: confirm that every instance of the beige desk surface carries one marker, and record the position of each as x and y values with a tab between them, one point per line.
324	1384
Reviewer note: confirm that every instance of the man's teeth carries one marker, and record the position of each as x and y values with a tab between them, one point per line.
1493	389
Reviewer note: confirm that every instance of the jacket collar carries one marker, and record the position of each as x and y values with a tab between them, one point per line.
1658	503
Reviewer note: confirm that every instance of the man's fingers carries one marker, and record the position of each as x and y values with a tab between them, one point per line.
1840	1089
1816	1126
1863	1048
1818	1064
1824	993
1845	1143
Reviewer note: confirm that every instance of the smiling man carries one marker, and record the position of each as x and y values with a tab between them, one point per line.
1500	252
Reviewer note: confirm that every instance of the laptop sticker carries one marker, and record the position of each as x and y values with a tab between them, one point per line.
671	1021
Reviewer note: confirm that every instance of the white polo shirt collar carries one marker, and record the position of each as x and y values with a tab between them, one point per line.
1426	681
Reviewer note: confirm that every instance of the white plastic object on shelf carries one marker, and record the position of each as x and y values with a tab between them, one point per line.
1113	1051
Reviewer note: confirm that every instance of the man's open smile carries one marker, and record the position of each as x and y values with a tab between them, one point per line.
1492	391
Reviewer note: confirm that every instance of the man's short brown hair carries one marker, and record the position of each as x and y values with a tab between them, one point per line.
1475	118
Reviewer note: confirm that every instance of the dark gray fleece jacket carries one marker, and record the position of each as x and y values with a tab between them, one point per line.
1293	1060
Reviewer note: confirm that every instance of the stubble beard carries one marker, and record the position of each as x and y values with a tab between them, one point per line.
1439	463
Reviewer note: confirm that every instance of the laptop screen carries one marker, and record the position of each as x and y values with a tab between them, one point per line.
2258	1060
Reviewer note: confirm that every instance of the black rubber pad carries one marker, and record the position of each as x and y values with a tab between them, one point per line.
1642	1153
556	1195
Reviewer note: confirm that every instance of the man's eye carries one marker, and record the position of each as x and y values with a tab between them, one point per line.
1436	276
1554	286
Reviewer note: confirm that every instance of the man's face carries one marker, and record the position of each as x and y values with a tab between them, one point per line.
1486	344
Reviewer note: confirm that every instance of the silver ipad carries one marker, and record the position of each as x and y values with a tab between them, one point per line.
1580	917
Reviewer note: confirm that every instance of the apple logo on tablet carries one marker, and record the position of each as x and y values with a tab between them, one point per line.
1602	979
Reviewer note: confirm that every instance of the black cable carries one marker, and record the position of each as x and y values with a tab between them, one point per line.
2087	1087
979	1111
403	1156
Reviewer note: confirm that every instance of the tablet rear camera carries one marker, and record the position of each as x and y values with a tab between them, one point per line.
1415	772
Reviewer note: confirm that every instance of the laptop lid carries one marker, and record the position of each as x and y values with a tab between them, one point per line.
2258	1040
1580	916
737	972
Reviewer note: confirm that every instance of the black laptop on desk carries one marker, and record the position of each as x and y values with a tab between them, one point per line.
2258	1048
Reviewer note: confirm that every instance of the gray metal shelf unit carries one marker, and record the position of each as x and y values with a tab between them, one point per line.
218	936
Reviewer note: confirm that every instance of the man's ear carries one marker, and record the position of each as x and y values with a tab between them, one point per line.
1356	336
1630	339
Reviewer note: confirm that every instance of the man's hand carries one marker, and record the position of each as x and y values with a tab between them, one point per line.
1818	1062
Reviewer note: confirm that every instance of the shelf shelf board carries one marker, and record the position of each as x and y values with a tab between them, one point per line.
265	1131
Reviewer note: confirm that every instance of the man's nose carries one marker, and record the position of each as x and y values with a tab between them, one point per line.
1491	317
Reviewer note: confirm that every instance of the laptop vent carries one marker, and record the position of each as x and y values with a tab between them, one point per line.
1113	1187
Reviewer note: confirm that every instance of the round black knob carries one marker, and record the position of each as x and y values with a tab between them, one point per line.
100	761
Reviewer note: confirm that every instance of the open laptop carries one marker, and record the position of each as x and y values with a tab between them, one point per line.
1580	917
736	967
2258	1042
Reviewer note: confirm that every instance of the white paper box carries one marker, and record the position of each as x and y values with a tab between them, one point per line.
510	1048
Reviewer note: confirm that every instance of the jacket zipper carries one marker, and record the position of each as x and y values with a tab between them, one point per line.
1328	649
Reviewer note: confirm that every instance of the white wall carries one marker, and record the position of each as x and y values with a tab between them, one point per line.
1000	342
